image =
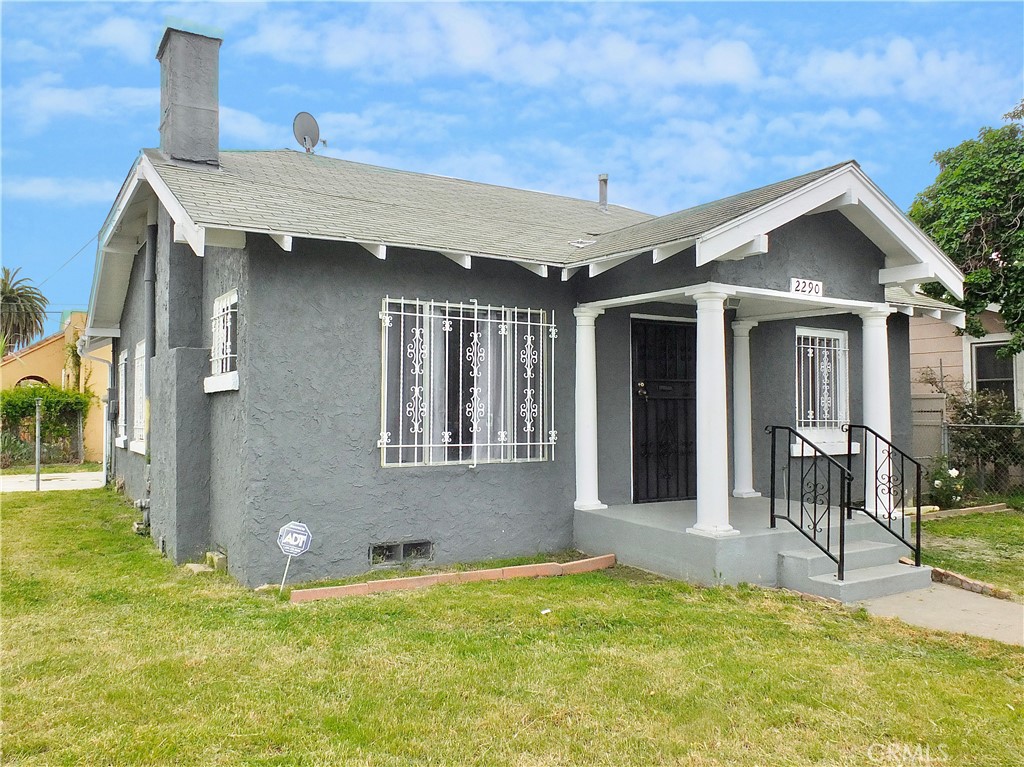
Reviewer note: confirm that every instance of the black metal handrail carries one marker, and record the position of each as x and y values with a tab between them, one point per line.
819	473
886	505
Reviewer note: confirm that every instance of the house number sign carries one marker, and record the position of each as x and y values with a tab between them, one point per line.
806	287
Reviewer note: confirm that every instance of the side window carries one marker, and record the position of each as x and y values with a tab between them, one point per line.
223	344
122	399
138	443
822	384
993	373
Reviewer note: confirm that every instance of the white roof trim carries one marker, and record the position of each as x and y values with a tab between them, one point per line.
849	190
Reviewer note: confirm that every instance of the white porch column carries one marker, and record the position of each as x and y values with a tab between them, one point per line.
875	372
742	439
586	409
712	422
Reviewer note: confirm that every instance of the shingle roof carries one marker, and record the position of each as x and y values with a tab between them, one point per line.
314	196
897	295
309	195
690	223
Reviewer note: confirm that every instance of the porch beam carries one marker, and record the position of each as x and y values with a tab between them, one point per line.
568	272
906	274
284	241
712	422
587	497
742	429
376	249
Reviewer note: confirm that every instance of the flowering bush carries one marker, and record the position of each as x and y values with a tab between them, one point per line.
947	484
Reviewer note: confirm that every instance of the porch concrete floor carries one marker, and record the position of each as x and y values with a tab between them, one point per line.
654	537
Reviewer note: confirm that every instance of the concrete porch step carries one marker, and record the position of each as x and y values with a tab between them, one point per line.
868	582
809	561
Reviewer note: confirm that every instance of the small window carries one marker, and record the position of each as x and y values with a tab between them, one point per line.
122	399
224	345
138	443
993	373
822	385
465	383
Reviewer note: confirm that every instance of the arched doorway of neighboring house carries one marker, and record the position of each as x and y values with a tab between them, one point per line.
32	381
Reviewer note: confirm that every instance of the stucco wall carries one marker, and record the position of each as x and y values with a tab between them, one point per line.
226	269
128	466
313	393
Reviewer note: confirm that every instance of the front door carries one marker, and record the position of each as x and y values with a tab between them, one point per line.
664	411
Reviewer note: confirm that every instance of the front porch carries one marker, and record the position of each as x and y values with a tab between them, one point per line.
655	537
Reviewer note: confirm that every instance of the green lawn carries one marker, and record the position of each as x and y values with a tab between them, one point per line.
113	656
987	547
54	468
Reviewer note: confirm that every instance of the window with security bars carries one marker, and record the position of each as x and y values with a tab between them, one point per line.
822	383
122	397
224	337
465	383
139	403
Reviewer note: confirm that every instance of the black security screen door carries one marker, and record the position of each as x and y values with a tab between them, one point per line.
664	411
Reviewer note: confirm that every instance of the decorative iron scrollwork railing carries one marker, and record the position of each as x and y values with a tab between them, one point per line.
817	494
885	471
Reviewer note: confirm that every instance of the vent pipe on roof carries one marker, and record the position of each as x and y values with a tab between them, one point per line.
602	191
189	98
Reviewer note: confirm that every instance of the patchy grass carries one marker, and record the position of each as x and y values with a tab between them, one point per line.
113	656
54	468
987	547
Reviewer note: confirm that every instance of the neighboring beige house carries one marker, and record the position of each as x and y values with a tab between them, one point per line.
47	362
959	360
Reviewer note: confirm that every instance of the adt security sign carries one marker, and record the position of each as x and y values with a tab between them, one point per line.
294	539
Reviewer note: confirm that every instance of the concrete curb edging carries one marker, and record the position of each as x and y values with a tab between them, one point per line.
543	570
963	582
946	513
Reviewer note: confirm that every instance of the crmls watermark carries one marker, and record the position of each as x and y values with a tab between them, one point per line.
908	754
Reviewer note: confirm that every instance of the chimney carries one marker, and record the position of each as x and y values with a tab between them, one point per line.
189	108
602	192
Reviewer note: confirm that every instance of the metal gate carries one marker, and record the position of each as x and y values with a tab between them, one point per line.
664	411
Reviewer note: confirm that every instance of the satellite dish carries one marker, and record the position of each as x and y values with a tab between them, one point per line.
306	131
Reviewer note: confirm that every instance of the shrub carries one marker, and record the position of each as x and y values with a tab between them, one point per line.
947	484
13	451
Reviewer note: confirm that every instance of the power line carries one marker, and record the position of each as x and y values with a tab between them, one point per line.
77	254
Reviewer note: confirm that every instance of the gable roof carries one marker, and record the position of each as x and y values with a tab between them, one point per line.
289	194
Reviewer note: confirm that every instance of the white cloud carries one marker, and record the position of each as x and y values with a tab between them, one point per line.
955	81
43	99
619	56
834	122
128	37
250	129
71	191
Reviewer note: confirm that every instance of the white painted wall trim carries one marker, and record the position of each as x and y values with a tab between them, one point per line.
663	318
121	442
138	446
221	382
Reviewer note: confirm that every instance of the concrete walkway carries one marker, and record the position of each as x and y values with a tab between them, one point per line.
71	480
948	608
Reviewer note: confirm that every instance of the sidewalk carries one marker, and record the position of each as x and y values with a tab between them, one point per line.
951	609
72	480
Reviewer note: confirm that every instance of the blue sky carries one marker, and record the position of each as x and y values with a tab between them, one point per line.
680	103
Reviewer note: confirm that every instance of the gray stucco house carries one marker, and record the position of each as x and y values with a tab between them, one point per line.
423	367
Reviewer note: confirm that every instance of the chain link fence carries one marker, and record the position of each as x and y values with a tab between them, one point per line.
989	457
62	440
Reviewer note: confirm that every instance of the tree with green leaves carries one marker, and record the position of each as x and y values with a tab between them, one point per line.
975	212
22	311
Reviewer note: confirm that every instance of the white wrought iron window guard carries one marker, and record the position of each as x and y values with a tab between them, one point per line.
139	402
465	383
121	438
822	386
223	351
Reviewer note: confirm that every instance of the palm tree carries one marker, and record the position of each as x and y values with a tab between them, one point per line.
22	311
